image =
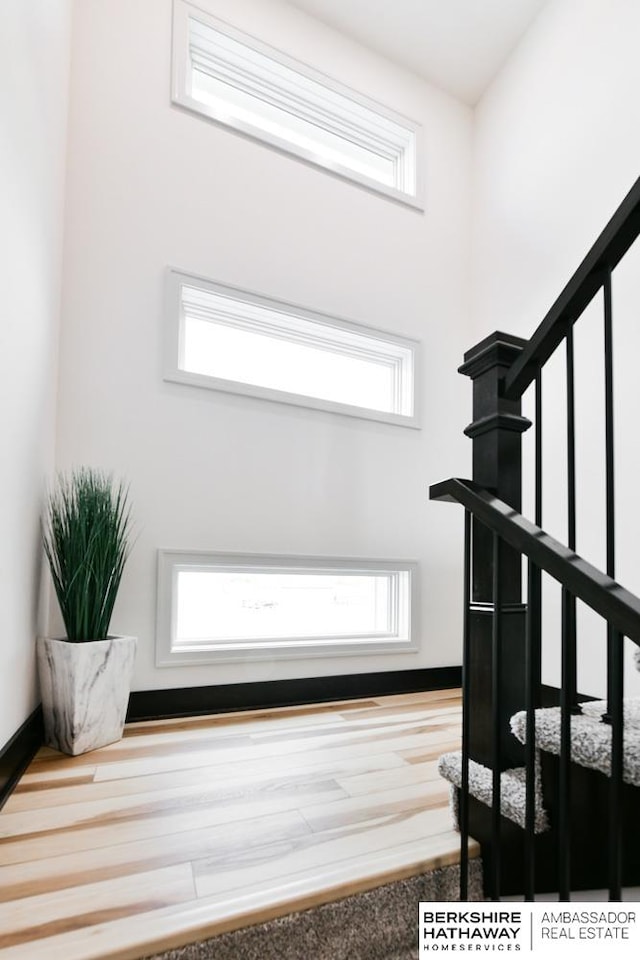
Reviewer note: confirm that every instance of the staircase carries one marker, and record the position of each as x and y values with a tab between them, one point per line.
547	781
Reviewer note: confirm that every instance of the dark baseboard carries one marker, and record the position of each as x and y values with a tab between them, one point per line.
192	701
17	754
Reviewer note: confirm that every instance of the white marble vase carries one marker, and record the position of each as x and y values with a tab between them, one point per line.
85	691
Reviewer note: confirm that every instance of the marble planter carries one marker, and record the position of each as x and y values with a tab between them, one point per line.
85	691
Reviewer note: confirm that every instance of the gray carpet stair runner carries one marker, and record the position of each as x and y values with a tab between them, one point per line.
590	738
590	747
512	789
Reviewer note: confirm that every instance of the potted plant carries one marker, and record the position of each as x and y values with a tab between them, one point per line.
85	678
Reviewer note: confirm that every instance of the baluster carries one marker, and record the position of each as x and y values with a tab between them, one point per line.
570	612
608	402
616	708
564	779
496	714
538	445
568	695
609	466
571	443
532	696
466	681
615	641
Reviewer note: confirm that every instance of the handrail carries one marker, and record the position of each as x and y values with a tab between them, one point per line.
606	597
609	248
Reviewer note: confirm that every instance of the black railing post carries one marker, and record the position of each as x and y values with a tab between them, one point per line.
496	432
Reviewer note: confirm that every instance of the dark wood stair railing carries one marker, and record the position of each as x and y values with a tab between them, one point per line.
502	635
609	599
621	611
601	260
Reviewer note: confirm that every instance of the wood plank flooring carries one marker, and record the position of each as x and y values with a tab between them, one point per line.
192	827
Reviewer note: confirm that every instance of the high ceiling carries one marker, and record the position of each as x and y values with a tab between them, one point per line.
458	45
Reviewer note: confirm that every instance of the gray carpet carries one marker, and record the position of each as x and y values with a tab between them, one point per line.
512	789
590	739
590	747
381	924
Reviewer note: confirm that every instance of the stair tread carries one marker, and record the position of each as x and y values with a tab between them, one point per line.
590	738
512	788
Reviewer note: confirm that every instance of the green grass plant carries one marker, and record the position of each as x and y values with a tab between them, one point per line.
87	537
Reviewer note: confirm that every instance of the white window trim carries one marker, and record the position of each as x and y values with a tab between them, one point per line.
181	96
170	562
174	319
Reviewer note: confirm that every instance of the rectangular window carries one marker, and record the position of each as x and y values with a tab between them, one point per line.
241	606
228	339
242	83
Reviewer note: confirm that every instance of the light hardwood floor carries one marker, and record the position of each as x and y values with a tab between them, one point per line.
189	828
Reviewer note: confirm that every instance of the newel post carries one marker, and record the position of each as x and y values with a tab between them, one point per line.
496	432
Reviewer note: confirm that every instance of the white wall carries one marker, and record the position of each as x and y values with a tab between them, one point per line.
557	146
34	73
151	186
